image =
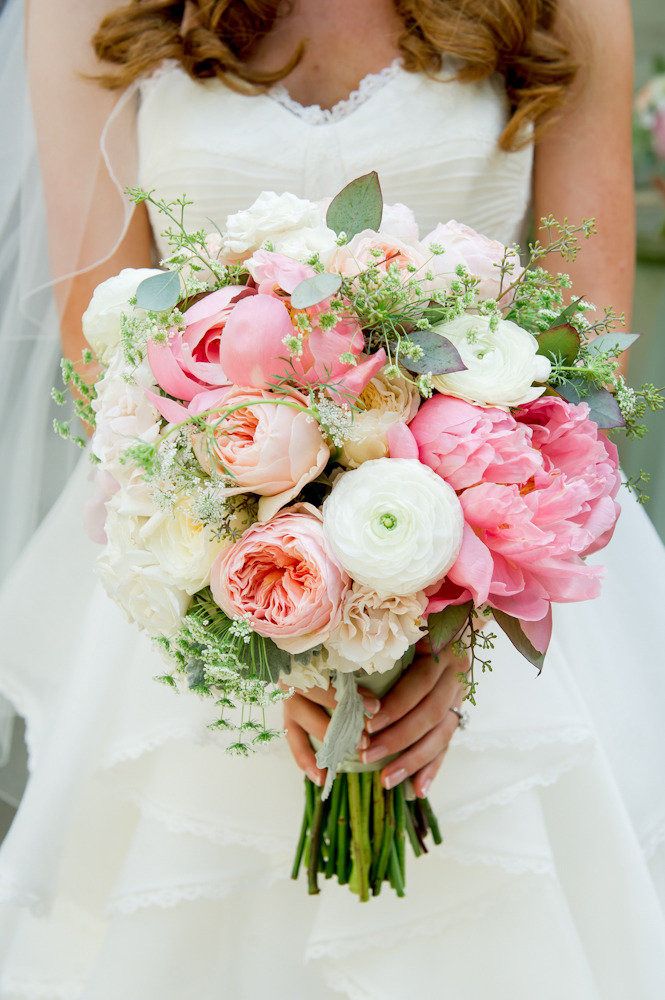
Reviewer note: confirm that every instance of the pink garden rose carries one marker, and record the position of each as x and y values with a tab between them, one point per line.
518	550
370	249
253	351
477	253
275	272
572	446
466	444
190	361
268	449
282	577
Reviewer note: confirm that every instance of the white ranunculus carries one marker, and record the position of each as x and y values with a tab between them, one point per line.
502	365
386	400
110	299
375	631
183	547
135	581
272	217
394	525
399	221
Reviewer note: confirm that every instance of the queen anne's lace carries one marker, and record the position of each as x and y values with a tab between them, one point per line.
314	114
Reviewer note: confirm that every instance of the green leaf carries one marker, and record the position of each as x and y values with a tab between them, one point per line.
316	289
159	292
515	633
440	357
567	314
611	342
444	626
559	342
603	407
277	660
358	206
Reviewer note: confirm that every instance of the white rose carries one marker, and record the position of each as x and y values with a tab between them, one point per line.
386	400
135	581
394	525
502	365
306	674
375	631
123	414
271	217
183	548
101	320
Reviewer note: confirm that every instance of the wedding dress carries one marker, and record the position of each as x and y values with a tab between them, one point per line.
146	863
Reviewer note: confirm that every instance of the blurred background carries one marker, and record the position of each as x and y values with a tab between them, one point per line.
647	362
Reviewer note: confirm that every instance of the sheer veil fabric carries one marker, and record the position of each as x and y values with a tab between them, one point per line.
144	861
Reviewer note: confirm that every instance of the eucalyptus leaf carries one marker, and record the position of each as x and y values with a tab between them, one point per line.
440	357
512	628
358	206
611	341
603	407
316	289
444	626
159	292
559	342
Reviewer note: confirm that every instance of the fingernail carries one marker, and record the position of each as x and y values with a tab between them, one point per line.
394	778
372	705
375	752
314	776
378	722
364	742
425	787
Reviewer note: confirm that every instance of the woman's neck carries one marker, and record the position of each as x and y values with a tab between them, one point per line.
334	63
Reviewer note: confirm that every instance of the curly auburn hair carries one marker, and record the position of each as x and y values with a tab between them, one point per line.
215	38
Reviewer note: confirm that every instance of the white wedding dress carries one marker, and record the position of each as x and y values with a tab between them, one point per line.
146	863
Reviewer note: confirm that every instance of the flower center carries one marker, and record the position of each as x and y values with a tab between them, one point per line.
388	520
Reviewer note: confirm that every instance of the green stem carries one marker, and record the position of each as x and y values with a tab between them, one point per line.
301	839
359	875
378	816
416	843
333	827
309	812
432	821
386	844
315	843
343	833
395	871
400	809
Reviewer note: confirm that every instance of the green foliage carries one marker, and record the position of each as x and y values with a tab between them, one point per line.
560	342
316	289
444	627
437	355
358	206
159	292
512	628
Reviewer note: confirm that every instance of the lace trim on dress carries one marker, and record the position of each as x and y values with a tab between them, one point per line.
314	114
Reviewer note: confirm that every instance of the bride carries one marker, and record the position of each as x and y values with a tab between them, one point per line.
144	862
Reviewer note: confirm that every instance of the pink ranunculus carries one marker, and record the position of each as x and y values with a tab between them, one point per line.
275	272
518	550
190	361
573	448
268	448
282	577
253	351
370	249
467	444
480	255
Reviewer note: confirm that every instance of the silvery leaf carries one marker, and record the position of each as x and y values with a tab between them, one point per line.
345	729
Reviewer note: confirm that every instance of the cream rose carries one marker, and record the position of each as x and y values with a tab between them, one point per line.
110	299
502	365
375	631
273	217
183	547
393	525
386	400
134	579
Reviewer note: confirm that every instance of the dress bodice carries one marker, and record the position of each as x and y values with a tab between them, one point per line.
434	143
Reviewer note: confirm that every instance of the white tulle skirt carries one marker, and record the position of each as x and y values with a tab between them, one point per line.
146	863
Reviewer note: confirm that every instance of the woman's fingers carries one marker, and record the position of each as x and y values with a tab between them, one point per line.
427	714
310	717
326	697
303	753
416	683
423	753
426	775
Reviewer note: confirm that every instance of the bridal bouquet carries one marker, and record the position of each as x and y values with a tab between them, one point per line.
321	438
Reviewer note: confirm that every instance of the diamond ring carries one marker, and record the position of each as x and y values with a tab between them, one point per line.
463	717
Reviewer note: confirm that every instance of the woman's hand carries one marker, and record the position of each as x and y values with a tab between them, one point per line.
413	721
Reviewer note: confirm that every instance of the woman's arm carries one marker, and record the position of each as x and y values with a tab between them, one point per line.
583	162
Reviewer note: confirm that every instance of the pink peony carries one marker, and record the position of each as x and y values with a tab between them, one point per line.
573	447
190	361
466	444
268	449
253	351
518	550
478	254
282	577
